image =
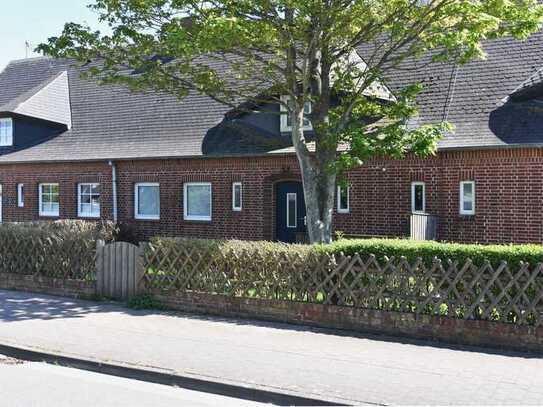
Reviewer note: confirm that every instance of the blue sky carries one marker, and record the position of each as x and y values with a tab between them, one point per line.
36	20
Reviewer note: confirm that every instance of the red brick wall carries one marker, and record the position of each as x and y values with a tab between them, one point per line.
509	191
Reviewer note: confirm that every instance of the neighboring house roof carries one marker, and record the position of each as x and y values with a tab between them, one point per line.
111	122
470	98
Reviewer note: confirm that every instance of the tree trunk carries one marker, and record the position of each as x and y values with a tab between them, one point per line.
319	184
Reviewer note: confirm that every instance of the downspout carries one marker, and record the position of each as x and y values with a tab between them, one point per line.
114	189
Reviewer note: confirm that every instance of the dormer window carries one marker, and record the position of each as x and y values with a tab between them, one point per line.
6	132
286	119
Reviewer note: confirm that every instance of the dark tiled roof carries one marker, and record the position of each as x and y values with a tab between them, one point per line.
481	87
110	122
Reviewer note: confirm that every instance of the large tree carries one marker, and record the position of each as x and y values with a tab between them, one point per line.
247	52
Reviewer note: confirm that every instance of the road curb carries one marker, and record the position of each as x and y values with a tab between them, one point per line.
154	376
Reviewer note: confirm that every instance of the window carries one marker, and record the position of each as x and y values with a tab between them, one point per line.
6	132
197	201
418	197
88	200
236	196
20	195
292	210
147	201
286	120
49	199
467	198
343	204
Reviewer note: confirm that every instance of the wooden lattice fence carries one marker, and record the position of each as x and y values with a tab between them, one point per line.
31	251
468	291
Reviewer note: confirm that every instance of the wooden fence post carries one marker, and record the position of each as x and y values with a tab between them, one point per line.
100	246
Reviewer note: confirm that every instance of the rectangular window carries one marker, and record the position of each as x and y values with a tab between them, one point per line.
49	200
286	119
147	201
236	196
6	132
418	197
292	210
467	198
20	195
197	201
88	200
343	199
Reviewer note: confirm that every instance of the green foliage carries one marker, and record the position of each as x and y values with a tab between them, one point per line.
144	301
428	250
380	248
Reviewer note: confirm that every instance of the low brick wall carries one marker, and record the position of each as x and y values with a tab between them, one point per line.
449	330
47	285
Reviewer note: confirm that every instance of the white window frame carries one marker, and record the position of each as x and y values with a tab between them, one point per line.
413	195
80	213
462	200
240	206
21	195
9	139
40	200
289	194
338	198
284	116
136	201
186	216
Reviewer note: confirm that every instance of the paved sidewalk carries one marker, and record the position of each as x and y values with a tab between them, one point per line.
275	357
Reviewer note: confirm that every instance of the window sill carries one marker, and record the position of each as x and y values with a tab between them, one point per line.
343	212
194	220
147	219
49	215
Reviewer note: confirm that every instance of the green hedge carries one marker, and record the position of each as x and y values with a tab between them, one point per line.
427	251
381	248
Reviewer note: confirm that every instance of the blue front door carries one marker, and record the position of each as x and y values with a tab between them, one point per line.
290	212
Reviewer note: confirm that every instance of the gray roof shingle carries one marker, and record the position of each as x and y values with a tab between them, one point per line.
111	122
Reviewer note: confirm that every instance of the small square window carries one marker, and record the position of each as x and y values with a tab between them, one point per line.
418	197
286	119
197	201
236	196
6	132
343	199
147	201
20	195
467	198
49	200
88	199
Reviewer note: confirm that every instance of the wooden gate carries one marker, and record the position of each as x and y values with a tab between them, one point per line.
119	269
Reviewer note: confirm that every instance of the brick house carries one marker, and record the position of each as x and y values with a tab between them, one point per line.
70	148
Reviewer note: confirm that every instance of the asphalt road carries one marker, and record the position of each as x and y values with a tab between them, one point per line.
32	384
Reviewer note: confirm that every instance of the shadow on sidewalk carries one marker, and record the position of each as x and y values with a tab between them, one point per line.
22	306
